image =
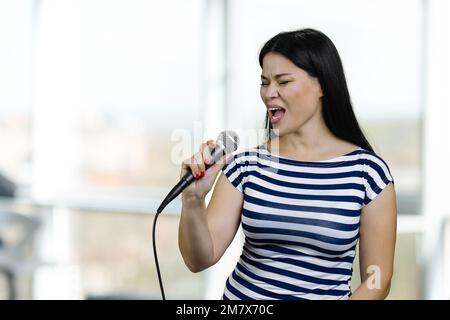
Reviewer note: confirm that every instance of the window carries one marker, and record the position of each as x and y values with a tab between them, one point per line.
140	81
15	90
115	80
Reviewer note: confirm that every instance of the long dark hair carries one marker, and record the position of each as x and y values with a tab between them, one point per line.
315	53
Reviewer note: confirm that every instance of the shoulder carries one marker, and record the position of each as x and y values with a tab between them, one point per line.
238	167
372	161
241	159
376	174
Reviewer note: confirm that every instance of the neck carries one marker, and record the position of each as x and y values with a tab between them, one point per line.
313	137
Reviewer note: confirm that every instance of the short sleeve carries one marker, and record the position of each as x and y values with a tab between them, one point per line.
235	171
376	177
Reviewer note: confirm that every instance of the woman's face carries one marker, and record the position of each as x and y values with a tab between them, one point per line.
285	86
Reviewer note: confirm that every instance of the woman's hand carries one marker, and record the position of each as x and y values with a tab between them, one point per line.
204	179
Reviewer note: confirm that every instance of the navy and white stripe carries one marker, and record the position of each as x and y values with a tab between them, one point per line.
301	222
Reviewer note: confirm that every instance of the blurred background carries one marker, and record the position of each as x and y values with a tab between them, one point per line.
95	95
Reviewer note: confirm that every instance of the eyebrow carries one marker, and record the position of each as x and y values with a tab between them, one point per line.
277	76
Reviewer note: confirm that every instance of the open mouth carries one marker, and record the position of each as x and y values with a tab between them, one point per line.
276	114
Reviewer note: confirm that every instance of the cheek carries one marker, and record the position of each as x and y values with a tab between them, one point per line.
296	97
302	97
302	105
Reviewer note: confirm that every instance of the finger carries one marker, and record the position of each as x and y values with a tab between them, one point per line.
189	166
185	167
200	166
207	152
211	143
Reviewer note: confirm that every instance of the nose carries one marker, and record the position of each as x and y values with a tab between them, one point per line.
271	91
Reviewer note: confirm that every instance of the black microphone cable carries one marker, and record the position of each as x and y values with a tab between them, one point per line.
156	255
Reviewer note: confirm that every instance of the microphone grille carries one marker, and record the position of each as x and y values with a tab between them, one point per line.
229	139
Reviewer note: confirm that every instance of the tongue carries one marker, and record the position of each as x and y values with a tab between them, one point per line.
278	113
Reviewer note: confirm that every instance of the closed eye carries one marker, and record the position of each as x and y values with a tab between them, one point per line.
281	83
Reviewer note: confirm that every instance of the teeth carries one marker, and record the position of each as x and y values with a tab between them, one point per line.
273	110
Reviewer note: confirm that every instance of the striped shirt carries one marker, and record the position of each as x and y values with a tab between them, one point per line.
301	222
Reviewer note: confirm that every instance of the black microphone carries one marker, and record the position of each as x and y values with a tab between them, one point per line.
227	142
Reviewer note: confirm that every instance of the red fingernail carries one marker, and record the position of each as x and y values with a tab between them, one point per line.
206	161
203	173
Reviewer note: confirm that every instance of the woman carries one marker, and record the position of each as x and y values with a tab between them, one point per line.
305	197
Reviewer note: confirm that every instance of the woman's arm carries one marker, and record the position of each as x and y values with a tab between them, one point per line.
205	233
378	230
